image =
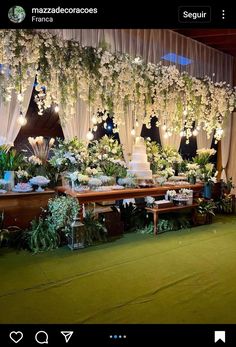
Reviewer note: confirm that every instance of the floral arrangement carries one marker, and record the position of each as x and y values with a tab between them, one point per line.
130	181
208	174
107	155
186	192
69	155
41	147
167	172
22	175
203	155
109	83
171	193
193	170
94	182
77	178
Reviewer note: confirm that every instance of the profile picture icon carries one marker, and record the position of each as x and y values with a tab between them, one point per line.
16	14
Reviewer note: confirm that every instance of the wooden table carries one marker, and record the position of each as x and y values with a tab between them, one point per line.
21	208
157	210
94	196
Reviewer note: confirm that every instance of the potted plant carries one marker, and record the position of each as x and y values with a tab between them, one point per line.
208	175
9	162
205	211
227	186
192	172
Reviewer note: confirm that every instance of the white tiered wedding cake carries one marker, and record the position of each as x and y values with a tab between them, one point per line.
139	165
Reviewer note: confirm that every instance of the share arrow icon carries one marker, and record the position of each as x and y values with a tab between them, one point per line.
67	335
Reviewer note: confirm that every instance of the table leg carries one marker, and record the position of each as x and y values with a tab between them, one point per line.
81	212
155	221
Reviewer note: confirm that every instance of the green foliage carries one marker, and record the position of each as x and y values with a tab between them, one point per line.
110	168
225	204
10	160
61	212
42	236
147	229
132	216
173	223
206	207
228	185
94	229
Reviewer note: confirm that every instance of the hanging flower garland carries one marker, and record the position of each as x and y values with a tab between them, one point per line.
110	84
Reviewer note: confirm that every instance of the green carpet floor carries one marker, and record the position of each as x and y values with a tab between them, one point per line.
186	276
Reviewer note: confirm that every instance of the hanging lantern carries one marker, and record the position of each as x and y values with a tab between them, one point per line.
56	108
21	120
133	132
90	135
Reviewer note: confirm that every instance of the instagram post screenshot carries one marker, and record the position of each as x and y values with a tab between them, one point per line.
117	174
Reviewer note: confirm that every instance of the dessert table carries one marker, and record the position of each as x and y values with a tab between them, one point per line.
95	196
21	208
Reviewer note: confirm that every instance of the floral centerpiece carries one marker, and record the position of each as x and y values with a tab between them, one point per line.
69	155
192	172
170	194
22	176
78	180
208	175
107	154
94	183
130	181
203	156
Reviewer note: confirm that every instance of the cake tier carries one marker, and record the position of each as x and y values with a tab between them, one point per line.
139	149
133	165
141	174
140	157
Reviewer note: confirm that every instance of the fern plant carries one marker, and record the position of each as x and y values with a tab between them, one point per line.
42	236
94	229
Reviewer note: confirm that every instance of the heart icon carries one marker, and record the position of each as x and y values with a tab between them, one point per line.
16	336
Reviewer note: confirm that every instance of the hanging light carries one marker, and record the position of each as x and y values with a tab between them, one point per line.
219	132
164	127
195	132
182	133
90	135
132	132
198	128
20	97
56	108
105	125
185	112
169	133
166	135
21	120
137	123
94	120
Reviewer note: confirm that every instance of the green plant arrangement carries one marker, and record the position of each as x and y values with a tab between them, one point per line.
225	204
147	229
227	186
47	231
10	160
206	207
95	230
42	236
61	212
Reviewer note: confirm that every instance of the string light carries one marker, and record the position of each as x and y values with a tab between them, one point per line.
133	132
94	120
166	135
198	128
56	108
21	120
20	97
195	132
90	135
185	112
164	127
137	123
105	125
182	133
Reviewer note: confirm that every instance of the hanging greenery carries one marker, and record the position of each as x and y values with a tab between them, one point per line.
109	83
